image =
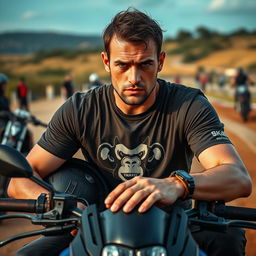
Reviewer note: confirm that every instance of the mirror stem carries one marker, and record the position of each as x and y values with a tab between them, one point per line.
43	184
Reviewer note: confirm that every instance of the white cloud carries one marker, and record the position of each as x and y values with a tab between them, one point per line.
216	5
29	15
232	6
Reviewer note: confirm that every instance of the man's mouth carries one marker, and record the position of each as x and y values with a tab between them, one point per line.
134	91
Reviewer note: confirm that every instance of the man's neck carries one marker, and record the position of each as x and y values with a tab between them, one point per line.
137	109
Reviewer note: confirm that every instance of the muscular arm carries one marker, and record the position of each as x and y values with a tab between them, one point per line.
225	176
43	163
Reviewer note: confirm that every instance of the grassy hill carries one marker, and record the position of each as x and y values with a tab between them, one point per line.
184	57
31	42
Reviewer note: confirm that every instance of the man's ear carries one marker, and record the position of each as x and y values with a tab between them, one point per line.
161	61
105	60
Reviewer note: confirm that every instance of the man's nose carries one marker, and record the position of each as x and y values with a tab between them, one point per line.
134	76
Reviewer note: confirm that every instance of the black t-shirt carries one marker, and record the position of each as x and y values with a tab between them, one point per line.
180	124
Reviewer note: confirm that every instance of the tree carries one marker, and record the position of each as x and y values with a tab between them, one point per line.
183	35
204	32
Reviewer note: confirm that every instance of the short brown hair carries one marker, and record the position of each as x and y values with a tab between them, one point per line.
133	26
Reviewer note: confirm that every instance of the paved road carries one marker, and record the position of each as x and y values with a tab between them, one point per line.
242	135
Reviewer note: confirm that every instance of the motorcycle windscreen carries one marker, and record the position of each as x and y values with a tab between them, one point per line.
133	229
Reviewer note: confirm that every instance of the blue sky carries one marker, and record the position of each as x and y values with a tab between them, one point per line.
91	17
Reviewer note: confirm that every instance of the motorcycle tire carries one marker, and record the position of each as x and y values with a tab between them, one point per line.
244	110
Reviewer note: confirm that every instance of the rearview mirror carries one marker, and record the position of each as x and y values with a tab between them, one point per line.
13	163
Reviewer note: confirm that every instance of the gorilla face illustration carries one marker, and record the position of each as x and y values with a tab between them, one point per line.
128	163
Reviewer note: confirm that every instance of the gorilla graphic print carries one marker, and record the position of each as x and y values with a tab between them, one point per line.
126	163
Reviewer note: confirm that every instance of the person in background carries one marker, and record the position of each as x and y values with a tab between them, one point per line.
68	86
94	81
222	80
177	79
197	80
241	79
4	103
22	94
203	79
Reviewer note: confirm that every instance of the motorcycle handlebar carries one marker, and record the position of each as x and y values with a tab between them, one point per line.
40	123
24	205
37	122
234	212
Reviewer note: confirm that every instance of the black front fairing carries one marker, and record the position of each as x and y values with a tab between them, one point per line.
133	230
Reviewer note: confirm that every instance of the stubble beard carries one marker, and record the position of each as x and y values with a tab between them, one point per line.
141	101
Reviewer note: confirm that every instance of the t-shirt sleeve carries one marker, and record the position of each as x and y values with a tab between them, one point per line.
62	133
203	128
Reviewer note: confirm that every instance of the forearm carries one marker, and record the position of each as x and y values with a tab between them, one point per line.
223	182
23	188
43	163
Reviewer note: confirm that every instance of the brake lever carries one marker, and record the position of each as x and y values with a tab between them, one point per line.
56	230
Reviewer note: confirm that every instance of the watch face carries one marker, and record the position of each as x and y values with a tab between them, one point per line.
185	174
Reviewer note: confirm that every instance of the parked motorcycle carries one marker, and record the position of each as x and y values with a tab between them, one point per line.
104	233
243	101
16	133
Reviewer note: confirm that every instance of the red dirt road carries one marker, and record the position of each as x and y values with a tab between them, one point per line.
247	151
242	135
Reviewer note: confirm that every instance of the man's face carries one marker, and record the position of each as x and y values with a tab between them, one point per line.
133	68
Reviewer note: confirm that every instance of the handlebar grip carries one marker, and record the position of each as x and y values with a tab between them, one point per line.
21	205
233	212
24	205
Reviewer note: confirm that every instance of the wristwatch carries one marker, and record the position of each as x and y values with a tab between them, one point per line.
187	181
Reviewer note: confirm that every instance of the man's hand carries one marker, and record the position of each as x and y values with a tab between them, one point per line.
150	190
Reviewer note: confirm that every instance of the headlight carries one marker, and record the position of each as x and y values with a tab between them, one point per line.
113	250
152	251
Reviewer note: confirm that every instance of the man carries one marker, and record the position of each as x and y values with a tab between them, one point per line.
68	86
22	94
141	129
241	79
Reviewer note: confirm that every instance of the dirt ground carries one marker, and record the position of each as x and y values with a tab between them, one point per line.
247	151
243	136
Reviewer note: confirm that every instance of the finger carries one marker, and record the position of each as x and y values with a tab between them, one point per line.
81	206
124	197
136	199
117	191
151	199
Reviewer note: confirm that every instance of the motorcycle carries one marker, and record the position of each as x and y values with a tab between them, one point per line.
16	133
104	233
243	100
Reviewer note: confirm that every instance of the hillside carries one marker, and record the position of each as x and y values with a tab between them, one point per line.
31	42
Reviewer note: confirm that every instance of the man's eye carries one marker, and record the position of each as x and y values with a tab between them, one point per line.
121	65
146	64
